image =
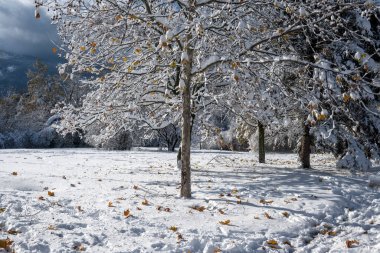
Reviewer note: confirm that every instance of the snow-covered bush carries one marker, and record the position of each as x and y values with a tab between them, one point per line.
120	141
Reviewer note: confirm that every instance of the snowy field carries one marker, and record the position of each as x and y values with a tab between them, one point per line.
128	202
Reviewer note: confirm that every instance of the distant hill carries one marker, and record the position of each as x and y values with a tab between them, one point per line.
13	69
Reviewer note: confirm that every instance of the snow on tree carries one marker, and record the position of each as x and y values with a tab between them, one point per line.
160	61
157	61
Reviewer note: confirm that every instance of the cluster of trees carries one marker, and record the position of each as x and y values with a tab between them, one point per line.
273	65
26	119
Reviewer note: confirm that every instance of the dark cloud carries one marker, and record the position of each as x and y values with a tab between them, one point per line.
21	33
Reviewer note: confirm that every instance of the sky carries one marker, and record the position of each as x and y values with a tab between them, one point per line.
21	33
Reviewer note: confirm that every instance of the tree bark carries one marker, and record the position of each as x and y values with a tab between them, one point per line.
186	125
305	147
261	131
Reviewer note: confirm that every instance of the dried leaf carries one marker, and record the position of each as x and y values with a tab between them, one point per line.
287	243
14	173
217	250
173	228
5	243
350	243
110	204
199	208
51	227
285	214
225	222
263	201
145	202
234	191
238	201
138	208
51	193
127	213
167	209
221	211
267	215
2	209
13	232
179	238
41	198
79	208
79	247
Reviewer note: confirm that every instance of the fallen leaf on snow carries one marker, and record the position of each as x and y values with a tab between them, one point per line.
51	194
221	211
173	228
51	227
5	243
135	187
110	204
2	209
225	222
263	201
41	198
127	213
267	215
350	243
272	244
13	232
79	248
14	173
199	208
145	202
285	214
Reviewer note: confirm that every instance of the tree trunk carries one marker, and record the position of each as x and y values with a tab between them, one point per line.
261	131
186	125
305	147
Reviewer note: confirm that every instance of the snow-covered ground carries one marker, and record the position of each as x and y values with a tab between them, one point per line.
128	202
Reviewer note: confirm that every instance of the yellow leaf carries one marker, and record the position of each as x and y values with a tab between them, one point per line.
51	194
136	63
110	204
138	51
5	243
127	213
125	59
82	48
173	228
173	64
272	242
54	50
225	222
346	97
145	202
93	51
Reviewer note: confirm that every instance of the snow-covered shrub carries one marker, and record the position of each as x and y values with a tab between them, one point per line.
120	141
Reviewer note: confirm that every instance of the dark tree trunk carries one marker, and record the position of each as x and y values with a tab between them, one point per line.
261	132
305	147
